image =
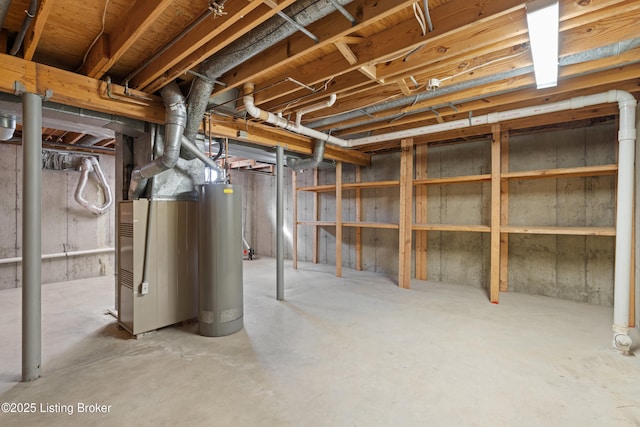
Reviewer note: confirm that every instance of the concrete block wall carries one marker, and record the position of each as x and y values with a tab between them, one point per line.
66	226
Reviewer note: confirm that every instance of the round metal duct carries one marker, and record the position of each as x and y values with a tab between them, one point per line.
7	127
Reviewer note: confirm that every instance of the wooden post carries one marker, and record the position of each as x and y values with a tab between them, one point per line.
358	219
339	219
314	255
294	224
421	213
406	187
504	214
494	290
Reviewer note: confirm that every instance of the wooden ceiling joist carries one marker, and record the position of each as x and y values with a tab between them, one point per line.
112	47
203	41
35	30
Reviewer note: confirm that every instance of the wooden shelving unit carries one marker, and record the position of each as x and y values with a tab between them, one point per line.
413	198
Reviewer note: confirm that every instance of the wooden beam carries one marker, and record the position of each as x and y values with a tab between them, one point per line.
494	286
453	16
79	91
504	213
406	203
141	16
294	223
35	29
332	28
266	135
204	40
4	39
370	72
339	219
346	52
447	40
421	212
358	219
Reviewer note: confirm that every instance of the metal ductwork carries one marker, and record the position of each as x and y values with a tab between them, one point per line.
300	165
274	30
176	117
7	127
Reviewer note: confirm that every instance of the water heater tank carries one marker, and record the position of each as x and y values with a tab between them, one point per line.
220	260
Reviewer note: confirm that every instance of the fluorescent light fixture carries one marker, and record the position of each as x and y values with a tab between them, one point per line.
542	19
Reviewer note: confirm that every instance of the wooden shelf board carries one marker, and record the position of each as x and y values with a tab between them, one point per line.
370	225
452	180
318	188
451	227
363	185
571	231
318	223
564	172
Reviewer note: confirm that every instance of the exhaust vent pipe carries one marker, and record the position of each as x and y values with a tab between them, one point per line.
300	165
176	114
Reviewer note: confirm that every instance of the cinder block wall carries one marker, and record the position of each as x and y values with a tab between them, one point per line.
66	226
577	268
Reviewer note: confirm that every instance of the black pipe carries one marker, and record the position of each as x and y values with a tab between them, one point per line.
31	13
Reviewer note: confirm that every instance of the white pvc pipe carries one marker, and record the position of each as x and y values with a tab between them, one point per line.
624	211
624	224
60	255
284	123
315	107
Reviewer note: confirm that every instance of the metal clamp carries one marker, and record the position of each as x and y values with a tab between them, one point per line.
19	88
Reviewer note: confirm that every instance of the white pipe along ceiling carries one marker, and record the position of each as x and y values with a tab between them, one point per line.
626	149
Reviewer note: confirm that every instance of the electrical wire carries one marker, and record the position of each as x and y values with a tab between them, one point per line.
104	16
417	12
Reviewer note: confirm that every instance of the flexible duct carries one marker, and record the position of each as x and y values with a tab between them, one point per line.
90	164
271	32
176	116
313	162
30	14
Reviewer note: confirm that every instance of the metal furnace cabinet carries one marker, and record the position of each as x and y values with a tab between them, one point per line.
172	274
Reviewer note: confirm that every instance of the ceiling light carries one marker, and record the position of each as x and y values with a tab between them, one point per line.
542	20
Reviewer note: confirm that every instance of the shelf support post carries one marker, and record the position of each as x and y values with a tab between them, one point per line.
494	286
504	214
406	187
421	213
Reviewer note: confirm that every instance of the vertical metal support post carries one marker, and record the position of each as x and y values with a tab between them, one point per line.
31	235
280	223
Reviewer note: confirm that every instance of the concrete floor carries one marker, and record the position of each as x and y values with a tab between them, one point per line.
356	351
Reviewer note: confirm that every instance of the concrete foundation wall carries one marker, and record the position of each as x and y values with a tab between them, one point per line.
578	268
66	226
